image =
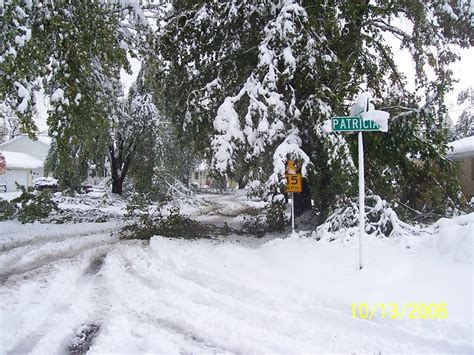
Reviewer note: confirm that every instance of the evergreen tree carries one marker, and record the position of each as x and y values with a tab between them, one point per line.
254	81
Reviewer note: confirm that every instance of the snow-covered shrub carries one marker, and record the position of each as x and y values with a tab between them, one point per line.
43	183
137	203
77	215
255	188
34	206
260	222
8	210
170	225
276	217
93	199
255	223
380	220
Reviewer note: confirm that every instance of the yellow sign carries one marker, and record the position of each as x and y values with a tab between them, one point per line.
294	183
292	167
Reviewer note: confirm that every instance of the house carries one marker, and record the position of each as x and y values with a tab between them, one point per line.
462	151
200	176
24	160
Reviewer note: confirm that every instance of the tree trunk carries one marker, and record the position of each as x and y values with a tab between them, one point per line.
242	181
119	167
117	185
115	163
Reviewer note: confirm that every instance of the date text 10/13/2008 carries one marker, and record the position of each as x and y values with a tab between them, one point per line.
410	310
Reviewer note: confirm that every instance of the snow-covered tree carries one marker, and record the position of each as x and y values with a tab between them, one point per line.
465	125
9	122
133	135
252	82
69	47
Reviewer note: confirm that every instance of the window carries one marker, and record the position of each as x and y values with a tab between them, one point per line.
196	175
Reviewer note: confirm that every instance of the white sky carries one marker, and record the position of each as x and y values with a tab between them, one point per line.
464	71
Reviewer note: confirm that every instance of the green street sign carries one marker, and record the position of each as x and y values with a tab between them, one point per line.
353	123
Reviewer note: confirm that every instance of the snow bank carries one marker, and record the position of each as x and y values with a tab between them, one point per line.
288	295
455	237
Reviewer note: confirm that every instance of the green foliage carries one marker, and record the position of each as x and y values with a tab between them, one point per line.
8	210
33	207
172	225
259	223
255	224
276	218
76	62
381	220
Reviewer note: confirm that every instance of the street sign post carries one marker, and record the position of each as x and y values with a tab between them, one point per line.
364	119
293	184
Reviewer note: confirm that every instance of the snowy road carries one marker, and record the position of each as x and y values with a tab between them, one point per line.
80	285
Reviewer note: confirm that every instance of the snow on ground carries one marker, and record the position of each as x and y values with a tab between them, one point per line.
233	295
220	209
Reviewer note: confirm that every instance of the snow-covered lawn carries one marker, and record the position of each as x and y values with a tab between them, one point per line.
232	295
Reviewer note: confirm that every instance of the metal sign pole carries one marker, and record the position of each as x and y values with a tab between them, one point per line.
293	212
361	197
364	118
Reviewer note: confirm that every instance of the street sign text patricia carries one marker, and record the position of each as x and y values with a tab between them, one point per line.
353	123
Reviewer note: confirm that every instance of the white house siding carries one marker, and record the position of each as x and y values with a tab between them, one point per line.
12	176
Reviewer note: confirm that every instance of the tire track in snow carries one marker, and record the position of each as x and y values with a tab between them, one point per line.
188	295
192	291
55	237
86	288
49	253
189	336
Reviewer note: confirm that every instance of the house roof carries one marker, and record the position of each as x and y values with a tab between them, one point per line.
202	166
15	160
45	140
41	139
461	149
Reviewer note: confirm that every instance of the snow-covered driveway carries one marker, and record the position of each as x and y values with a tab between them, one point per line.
288	295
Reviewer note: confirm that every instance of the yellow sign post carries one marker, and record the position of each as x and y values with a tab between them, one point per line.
293	184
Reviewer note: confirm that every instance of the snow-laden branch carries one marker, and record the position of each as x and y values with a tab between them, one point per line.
290	148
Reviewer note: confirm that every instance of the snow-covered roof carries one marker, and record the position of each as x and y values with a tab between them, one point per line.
203	166
461	149
45	140
42	139
17	160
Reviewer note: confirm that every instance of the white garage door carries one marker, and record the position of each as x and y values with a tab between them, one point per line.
20	176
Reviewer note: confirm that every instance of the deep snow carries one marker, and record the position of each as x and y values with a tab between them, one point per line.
231	295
